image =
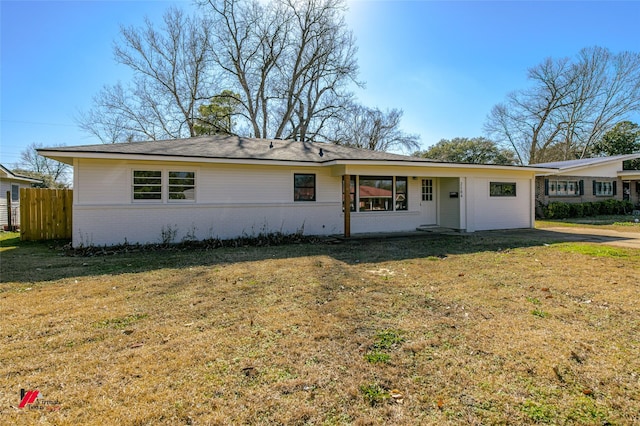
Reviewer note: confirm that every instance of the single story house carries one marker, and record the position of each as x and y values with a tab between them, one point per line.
588	179
226	186
10	184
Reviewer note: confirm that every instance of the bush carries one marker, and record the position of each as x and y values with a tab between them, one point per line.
560	210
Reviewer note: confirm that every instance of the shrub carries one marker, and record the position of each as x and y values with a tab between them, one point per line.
558	210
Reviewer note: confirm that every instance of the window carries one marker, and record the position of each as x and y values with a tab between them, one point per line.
427	189
304	187
564	188
15	192
382	193
158	185
502	189
401	193
603	189
375	193
182	186
147	185
352	193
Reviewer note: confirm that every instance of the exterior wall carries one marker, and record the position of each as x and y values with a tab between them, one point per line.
5	185
235	200
588	196
500	212
230	201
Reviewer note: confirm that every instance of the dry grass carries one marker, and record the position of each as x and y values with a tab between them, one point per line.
476	329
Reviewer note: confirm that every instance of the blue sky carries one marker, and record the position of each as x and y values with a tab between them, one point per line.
445	64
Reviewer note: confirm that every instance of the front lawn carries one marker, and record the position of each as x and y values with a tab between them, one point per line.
487	328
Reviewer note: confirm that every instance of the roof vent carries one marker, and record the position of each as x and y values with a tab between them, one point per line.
321	153
271	145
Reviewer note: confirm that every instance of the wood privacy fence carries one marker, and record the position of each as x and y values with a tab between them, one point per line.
45	214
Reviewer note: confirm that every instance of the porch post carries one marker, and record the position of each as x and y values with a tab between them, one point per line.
346	200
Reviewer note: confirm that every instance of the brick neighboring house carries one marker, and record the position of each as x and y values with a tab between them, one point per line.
588	179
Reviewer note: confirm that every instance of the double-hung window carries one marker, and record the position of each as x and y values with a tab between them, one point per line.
603	188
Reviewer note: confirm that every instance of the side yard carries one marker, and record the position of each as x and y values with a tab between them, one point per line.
517	327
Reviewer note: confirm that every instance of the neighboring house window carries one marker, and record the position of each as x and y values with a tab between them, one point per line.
427	189
15	192
304	187
502	189
604	189
564	188
147	185
352	193
182	186
401	193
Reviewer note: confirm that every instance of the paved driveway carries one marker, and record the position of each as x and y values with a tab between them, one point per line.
604	236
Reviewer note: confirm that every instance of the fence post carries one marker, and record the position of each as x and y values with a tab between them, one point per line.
9	218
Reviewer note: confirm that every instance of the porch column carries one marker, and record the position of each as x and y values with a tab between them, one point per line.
346	200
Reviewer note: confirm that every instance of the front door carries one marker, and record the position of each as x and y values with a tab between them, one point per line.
626	190
428	202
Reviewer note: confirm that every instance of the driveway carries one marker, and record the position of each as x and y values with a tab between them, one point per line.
593	235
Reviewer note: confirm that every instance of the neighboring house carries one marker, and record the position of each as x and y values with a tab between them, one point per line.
11	183
226	187
588	179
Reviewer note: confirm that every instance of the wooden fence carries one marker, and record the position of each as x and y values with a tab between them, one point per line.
45	214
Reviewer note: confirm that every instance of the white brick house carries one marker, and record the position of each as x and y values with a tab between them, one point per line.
227	186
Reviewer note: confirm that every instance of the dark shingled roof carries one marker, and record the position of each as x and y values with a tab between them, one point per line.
234	147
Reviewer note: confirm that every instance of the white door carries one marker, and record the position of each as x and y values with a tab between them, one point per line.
428	200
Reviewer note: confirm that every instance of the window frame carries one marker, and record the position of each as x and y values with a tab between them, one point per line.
554	188
135	185
165	185
191	186
391	205
497	189
297	188
15	197
598	188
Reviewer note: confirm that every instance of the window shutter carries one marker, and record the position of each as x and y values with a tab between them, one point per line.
581	186
546	187
615	192
594	187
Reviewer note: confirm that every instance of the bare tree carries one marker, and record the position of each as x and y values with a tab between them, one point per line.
172	75
569	107
54	174
366	128
290	60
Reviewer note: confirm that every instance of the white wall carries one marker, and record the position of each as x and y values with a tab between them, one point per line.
500	212
230	201
236	200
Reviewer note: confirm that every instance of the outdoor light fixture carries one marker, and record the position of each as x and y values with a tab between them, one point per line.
321	153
